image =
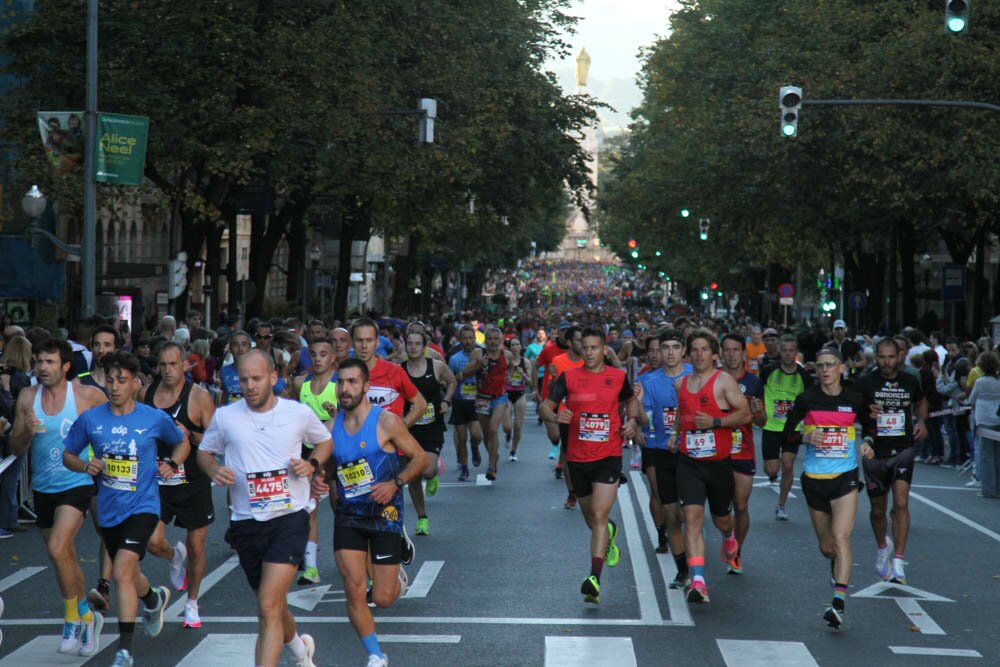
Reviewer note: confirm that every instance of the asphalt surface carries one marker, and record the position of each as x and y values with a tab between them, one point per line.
500	576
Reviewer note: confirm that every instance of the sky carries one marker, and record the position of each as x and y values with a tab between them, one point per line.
613	31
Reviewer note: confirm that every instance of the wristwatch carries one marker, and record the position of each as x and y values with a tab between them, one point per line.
173	464
315	464
399	482
716	423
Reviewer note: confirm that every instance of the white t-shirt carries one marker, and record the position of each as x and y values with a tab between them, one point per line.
259	447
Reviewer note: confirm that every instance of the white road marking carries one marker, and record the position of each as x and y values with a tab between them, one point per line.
918	617
41	652
419	639
908	605
482	481
425	578
948	652
956	516
307	598
679	611
430	620
752	653
237	649
649	608
19	576
575	651
211	579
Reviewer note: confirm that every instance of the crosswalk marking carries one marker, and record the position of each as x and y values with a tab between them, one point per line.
425	578
649	608
947	652
41	652
211	579
19	576
752	653
576	651
238	649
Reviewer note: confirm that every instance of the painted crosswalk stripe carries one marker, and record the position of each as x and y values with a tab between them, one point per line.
41	652
211	579
576	651
425	578
946	652
649	608
751	653
237	649
19	576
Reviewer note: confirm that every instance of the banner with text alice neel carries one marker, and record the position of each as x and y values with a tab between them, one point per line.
121	148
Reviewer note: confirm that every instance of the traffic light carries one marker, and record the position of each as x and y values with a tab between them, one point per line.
714	285
658	253
177	275
829	306
703	224
704	295
632	244
635	254
956	15
790	101
685	213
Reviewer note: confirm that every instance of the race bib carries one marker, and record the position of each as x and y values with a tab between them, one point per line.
469	391
121	473
781	409
595	427
179	477
483	404
891	425
754	365
835	444
737	441
428	416
700	444
669	418
516	379
234	398
356	477
269	491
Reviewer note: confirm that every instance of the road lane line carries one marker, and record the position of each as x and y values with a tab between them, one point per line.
752	653
14	579
575	651
419	639
211	579
649	608
957	517
948	652
918	617
41	652
416	620
679	611
425	578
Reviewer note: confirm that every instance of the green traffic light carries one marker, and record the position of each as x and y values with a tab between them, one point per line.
718	293
704	296
685	213
956	24
788	130
662	274
635	254
658	253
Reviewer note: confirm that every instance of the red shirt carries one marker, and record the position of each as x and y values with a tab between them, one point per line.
595	430
544	359
390	387
492	379
712	444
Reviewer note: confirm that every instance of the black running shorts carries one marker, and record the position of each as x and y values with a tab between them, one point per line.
386	547
881	474
820	492
189	506
462	412
774	443
279	540
77	497
585	475
132	534
664	464
698	481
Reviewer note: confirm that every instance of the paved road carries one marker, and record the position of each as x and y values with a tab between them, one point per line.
497	584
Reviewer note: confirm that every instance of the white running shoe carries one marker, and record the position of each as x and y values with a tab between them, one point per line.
512	458
90	637
307	659
178	567
70	642
404	581
882	560
152	619
122	659
898	573
780	514
409	551
191	617
377	661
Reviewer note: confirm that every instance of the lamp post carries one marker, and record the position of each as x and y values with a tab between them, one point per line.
316	254
33	204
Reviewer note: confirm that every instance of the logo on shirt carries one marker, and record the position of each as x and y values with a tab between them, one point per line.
119	430
390	513
65	427
140	431
99	428
382	396
844	408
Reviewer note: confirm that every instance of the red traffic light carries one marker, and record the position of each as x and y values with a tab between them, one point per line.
632	244
714	285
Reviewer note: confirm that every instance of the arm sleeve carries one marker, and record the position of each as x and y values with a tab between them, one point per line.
76	440
213	440
795	417
557	391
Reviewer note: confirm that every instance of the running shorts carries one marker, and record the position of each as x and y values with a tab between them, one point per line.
132	534
820	492
698	481
774	443
880	474
664	464
462	412
386	547
78	497
189	506
278	540
585	475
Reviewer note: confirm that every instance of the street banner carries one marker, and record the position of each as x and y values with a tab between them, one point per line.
63	138
121	148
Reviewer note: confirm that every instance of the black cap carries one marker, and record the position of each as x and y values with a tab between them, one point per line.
830	350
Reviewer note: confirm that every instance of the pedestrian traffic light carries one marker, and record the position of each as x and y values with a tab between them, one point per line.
632	244
790	101
635	254
956	15
685	213
703	224
177	270
704	295
658	253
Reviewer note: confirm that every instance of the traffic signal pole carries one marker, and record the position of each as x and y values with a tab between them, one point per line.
966	104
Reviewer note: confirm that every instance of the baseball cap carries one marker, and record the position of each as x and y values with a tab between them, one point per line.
770	332
564	325
840	324
832	351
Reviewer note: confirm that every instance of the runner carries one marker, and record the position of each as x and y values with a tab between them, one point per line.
710	406
652	344
573	358
261	438
743	456
428	376
893	397
782	384
369	514
830	473
61	497
125	437
390	386
593	396
463	410
186	497
239	344
755	350
490	368
544	361
772	349
520	374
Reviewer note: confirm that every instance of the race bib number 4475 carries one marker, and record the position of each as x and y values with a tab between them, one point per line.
269	491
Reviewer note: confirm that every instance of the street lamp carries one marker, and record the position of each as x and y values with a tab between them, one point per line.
33	204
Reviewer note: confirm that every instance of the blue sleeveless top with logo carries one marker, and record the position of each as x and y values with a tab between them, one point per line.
361	464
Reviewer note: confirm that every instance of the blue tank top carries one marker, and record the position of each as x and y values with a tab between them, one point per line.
361	464
466	390
48	474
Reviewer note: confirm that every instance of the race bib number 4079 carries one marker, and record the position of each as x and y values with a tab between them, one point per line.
595	427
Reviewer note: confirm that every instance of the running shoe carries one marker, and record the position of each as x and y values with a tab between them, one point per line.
408	549
368	594
898	573
463	476
735	565
377	661
178	568
663	546
307	659
6	534
192	619
122	659
680	581
780	514
476	456
310	575
433	484
512	458
834	617
491	473
883	560
152	619
554	452
613	555
90	636
404	581
729	549
558	471
70	642
591	589
507	438
570	502
99	595
423	526
697	593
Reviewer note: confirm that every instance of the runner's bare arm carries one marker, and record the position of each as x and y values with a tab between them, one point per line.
418	405
444	375
920	427
88	397
204	409
739	408
392	430
220	474
24	421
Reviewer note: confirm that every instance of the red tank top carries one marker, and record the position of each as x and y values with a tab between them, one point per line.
713	444
493	378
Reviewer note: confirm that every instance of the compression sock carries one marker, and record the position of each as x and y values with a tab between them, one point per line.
151	598
72	615
297	647
681	561
125	631
661	533
371	645
696	564
596	566
83	609
899	555
311	554
839	595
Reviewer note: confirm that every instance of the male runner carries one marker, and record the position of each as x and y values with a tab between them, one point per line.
755	349
44	414
125	437
104	340
490	368
239	344
463	410
428	376
892	396
772	349
593	395
743	456
573	358
369	514
186	497
555	348
830	473
782	384
710	406
261	438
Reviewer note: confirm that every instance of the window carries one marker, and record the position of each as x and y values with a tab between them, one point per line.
245	253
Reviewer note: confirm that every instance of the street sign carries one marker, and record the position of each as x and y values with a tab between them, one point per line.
953	282
857	300
786	290
786	301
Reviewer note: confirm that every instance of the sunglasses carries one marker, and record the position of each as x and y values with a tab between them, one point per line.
267	337
824	365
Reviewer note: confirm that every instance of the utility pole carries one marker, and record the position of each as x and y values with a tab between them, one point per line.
88	247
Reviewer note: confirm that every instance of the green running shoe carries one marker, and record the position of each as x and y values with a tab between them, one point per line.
432	486
613	555
591	589
423	526
310	575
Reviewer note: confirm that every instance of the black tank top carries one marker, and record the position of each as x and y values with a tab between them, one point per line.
428	385
179	412
88	380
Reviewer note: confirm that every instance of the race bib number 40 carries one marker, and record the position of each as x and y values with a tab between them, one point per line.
269	491
356	477
700	444
891	425
595	427
835	444
121	473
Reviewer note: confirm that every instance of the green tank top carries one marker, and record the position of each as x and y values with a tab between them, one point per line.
780	391
316	401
